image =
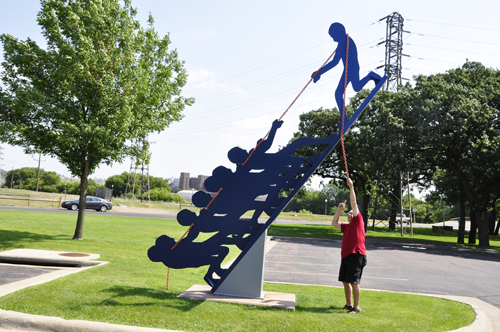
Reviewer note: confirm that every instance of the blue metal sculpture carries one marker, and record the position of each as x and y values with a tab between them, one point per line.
347	52
255	186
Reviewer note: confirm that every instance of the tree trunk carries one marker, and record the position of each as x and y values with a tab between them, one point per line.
483	221
364	208
392	220
498	226
473	227
81	208
493	216
461	222
374	212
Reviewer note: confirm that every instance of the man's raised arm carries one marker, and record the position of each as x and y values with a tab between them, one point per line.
354	204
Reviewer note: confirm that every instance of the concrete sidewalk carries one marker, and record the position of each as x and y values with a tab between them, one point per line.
15	321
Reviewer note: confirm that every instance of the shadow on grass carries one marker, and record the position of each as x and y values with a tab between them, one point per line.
122	295
330	310
16	239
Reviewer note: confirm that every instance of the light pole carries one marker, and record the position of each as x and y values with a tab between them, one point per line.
64	191
112	186
326	200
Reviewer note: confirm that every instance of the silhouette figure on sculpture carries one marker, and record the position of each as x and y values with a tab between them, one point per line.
240	193
230	231
276	171
190	254
339	35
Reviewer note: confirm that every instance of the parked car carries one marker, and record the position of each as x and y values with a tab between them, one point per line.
398	218
93	203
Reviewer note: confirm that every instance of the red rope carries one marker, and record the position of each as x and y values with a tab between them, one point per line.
288	108
182	237
213	198
343	107
168	278
175	245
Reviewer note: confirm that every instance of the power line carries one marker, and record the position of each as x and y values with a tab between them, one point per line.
454	25
448	49
457	39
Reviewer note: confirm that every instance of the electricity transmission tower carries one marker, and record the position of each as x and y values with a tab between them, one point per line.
393	69
393	50
142	165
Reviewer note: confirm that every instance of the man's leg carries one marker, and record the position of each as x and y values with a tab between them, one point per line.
356	292
348	293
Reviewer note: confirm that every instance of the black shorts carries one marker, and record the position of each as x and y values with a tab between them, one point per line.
351	268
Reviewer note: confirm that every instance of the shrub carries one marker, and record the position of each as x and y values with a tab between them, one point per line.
164	194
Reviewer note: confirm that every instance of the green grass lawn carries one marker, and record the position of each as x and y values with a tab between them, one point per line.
130	289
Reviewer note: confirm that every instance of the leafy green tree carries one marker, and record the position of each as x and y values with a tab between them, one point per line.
21	177
164	194
449	189
118	182
458	112
155	182
376	145
102	82
315	201
26	177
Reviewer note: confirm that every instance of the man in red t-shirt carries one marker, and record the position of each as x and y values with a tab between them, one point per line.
353	251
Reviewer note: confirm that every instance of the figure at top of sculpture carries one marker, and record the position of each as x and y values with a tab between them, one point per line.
349	58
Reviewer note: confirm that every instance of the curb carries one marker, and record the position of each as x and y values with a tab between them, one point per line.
27	322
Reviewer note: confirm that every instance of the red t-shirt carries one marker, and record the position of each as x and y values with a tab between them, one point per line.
353	239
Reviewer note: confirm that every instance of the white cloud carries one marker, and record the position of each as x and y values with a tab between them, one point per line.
201	75
206	79
202	34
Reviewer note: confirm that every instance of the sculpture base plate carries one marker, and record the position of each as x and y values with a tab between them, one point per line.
271	299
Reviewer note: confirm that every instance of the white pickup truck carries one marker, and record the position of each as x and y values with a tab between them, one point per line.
398	218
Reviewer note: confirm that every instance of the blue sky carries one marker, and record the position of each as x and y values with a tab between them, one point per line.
247	60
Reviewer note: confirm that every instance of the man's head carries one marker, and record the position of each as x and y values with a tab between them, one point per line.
350	215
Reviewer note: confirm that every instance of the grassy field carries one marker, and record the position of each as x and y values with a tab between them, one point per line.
130	289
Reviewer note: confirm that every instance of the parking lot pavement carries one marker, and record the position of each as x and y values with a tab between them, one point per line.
392	266
448	271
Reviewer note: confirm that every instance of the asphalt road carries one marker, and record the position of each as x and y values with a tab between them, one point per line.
443	269
166	215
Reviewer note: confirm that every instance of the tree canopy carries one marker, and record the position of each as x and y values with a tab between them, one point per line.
459	112
445	130
102	82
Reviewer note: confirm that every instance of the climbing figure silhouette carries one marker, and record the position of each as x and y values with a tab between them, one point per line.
349	56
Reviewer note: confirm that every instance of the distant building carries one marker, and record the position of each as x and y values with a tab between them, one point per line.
187	183
184	181
198	183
